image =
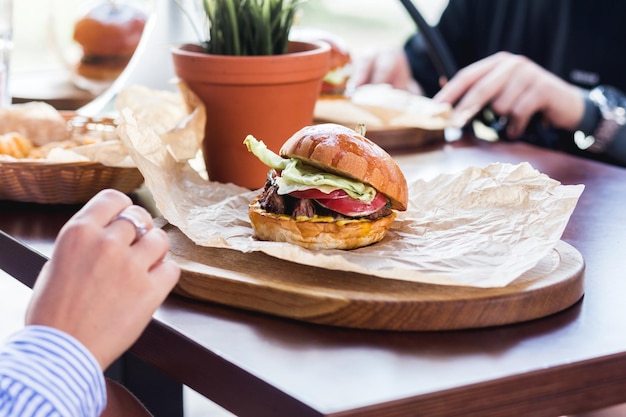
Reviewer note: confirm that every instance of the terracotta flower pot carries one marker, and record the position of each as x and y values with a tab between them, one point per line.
270	97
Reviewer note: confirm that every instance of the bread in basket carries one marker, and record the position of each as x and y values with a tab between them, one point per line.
53	157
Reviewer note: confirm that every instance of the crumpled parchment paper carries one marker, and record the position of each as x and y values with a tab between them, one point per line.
481	227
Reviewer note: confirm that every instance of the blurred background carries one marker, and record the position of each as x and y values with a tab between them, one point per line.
43	28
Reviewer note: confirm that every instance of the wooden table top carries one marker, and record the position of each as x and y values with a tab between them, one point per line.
50	86
257	365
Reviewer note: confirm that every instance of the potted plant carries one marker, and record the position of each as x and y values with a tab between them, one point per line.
252	80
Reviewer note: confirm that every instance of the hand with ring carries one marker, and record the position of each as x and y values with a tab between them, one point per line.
515	88
106	277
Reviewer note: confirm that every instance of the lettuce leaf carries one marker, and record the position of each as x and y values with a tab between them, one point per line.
296	176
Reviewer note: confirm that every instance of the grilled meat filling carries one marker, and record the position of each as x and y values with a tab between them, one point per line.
275	203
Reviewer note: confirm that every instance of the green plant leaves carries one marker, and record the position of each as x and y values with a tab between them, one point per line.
249	27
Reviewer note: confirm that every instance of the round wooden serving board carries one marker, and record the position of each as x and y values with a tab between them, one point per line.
258	282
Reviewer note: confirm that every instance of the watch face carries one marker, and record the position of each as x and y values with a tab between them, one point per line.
613	96
612	106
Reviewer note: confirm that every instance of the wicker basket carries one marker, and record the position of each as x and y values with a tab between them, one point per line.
63	183
71	182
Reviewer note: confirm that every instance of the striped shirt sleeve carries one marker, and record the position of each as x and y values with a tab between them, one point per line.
46	372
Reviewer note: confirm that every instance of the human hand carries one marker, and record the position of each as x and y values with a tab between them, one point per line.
383	67
100	285
516	88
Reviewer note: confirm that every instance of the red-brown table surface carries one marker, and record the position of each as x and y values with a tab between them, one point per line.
256	365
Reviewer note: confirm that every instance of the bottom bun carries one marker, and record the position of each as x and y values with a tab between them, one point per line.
318	234
104	70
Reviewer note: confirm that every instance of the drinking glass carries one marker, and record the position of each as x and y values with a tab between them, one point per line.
6	45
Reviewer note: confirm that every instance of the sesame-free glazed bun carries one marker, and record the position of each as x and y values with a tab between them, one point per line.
317	235
341	150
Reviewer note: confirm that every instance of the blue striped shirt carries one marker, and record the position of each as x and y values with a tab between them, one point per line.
46	372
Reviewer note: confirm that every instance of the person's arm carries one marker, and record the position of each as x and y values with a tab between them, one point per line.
103	283
46	372
386	66
91	301
410	66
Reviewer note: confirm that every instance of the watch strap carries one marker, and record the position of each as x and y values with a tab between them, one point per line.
591	116
604	134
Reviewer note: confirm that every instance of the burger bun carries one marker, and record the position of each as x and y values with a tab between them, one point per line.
317	235
38	121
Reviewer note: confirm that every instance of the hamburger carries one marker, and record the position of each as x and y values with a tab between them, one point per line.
336	80
108	35
330	188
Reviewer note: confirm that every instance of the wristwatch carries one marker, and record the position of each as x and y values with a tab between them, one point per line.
610	104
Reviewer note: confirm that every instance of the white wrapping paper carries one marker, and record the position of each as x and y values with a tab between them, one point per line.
481	227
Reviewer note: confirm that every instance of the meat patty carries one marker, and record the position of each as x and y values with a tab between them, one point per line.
276	203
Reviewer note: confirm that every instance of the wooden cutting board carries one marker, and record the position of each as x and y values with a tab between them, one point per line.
258	282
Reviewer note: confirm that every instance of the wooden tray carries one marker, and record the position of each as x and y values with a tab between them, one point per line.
404	138
258	282
400	138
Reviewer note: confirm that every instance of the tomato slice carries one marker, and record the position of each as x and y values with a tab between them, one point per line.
353	207
315	194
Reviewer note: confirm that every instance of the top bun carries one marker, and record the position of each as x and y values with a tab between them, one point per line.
110	29
339	53
340	150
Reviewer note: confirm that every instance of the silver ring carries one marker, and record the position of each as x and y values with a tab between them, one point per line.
140	228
